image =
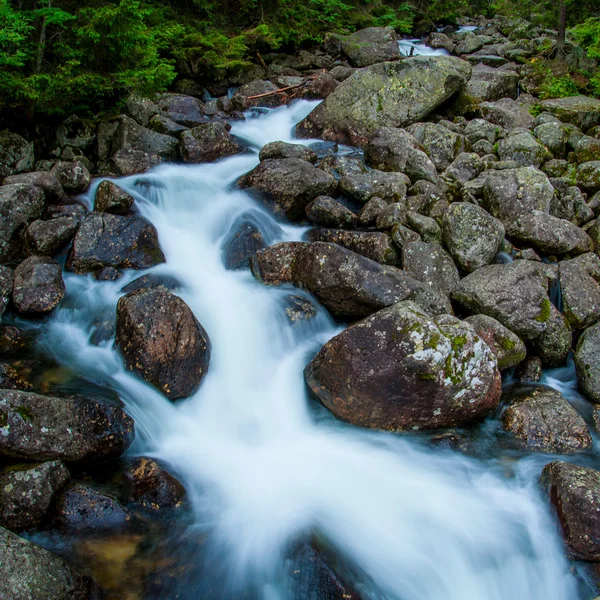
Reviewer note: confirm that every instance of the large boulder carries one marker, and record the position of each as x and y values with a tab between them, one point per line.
586	362
288	185
430	264
580	289
543	421
132	136
516	294
16	154
361	187
485	85
507	114
401	369
329	212
522	148
372	45
73	176
208	142
473	237
46	238
347	284
180	108
38	285
162	341
588	176
28	572
128	161
574	492
581	111
20	204
36	427
105	240
389	94
286	150
27	492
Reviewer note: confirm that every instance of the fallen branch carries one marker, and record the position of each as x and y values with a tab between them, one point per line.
283	89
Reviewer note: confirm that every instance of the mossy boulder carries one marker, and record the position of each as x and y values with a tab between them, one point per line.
586	362
580	286
581	111
370	46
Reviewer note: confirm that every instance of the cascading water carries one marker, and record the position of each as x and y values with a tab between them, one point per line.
264	466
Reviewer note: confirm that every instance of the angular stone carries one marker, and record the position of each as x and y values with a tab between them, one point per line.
46	238
328	212
208	142
73	176
586	362
581	111
285	150
430	264
580	288
370	46
16	154
53	190
38	285
151	486
112	199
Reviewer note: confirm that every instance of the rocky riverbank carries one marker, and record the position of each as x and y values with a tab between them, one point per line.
458	238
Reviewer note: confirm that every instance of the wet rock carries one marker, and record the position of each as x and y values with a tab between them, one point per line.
516	294
328	212
114	241
73	176
581	111
389	94
524	149
38	285
430	264
586	362
372	45
400	369
393	215
511	193
588	176
180	108
10	379
347	284
162	341
507	114
36	427
43	179
364	186
472	236
285	150
530	370
288	185
543	421
46	238
6	285
506	346
318	88
549	235
579	283
208	142
16	154
440	40
370	211
393	149
20	204
108	274
299	308
28	572
151	486
574	493
81	508
257	88
375	245
130	136
112	199
151	282
240	245
129	161
27	492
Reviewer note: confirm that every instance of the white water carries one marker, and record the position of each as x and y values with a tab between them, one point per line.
262	466
417	47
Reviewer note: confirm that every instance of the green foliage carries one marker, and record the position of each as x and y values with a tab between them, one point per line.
15	28
558	87
587	35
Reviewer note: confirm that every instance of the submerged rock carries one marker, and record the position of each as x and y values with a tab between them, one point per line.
240	245
162	341
401	369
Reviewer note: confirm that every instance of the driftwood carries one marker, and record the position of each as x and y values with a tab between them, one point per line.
283	89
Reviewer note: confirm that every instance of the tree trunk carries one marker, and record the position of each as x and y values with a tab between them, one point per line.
562	29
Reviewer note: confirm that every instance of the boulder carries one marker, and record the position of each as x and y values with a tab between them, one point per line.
20	204
328	212
347	284
162	341
53	190
441	145
401	369
472	236
370	211
574	493
152	281
485	85
16	154
151	486
241	243
389	94
208	142
28	572
506	346
82	508
105	240
74	132
46	238
440	40
257	87
507	114
588	176
361	187
27	493
166	126
581	111
132	136
516	294
180	108
38	285
375	245
522	148
286	150
112	199
580	290
73	176
464	168
141	109
6	286
36	427
129	161
338	166
393	149
430	264
370	46
543	421
586	362
426	227
288	185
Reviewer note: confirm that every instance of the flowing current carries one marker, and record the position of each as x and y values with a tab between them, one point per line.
264	465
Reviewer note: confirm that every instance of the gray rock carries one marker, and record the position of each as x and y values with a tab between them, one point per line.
426	227
465	167
129	161
328	212
244	239
507	114
132	136
401	369
38	285
430	264
472	236
166	126
53	190
208	142
338	166
586	362
480	129
364	186
516	294
370	46
371	210
6	285
522	148
579	283
180	108
16	154
46	238
391	94
28	572
36	427
73	176
27	493
543	421
553	136
581	111
588	176
112	199
487	85
441	145
440	40
105	240
285	150
506	346
141	109
256	88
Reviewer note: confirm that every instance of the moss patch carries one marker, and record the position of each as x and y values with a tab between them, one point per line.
545	311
